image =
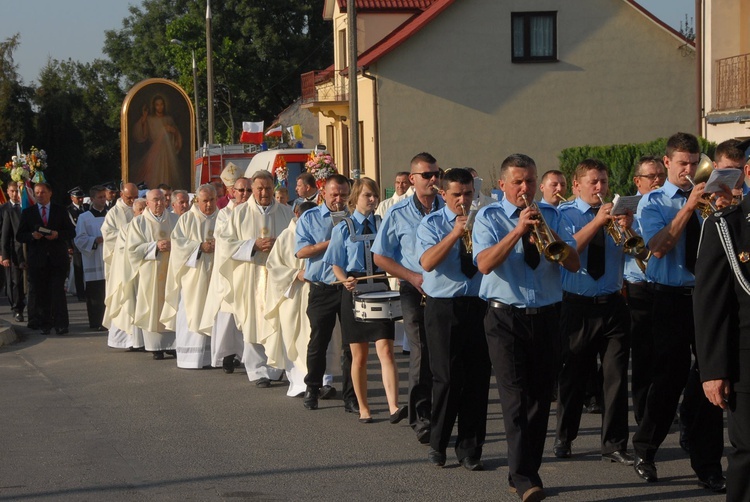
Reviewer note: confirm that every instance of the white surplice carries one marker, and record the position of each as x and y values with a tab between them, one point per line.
114	229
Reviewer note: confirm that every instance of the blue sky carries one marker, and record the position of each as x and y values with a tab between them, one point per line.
62	29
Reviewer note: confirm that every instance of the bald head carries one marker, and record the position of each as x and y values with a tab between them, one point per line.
129	193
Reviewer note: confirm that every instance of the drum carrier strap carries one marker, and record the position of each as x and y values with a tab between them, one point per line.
366	239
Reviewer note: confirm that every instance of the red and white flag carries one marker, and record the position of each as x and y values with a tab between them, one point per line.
252	132
275	132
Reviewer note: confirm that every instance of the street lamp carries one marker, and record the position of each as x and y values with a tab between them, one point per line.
195	92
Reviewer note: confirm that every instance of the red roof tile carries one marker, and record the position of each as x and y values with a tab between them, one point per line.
389	5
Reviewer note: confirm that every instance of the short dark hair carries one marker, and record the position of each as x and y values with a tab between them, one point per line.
423	157
301	208
96	189
456	175
682	142
402	173
339	179
587	165
731	150
552	172
307	178
43	184
164	186
516	160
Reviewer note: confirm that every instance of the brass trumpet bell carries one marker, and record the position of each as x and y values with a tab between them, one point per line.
704	170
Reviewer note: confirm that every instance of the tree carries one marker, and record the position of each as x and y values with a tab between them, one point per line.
16	113
260	49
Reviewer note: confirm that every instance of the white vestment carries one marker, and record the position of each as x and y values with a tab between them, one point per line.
288	330
247	276
113	230
187	286
387	203
150	266
88	229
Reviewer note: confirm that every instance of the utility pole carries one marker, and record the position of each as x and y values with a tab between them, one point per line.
351	18
210	75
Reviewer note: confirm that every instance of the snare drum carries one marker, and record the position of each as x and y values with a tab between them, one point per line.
377	307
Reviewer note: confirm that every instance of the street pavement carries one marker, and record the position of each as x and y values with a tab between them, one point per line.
81	421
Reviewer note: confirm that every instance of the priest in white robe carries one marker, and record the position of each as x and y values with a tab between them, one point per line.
148	248
250	235
115	222
90	243
218	321
288	331
191	261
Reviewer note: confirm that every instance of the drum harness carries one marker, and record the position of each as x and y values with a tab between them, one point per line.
366	239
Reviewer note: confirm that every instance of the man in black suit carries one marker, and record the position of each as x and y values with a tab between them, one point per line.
14	260
46	229
75	209
721	307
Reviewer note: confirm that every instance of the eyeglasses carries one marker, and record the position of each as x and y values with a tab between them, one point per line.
427	175
652	177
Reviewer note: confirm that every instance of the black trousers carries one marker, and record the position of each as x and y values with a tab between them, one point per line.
322	309
77	264
703	426
14	289
640	300
420	375
525	353
95	293
461	368
738	472
589	330
47	288
672	333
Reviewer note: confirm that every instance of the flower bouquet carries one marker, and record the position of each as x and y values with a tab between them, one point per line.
322	167
25	168
280	171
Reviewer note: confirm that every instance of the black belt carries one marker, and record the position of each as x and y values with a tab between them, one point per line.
521	310
590	300
673	290
323	285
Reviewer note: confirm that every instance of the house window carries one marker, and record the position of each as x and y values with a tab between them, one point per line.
534	36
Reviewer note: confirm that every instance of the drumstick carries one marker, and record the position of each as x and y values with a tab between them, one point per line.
376	276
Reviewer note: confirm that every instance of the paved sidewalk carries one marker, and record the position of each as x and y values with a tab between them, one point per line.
81	421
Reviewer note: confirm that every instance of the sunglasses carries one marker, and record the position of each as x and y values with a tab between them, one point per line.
430	174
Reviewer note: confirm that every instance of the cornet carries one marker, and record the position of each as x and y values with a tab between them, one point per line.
613	229
552	249
702	173
467	229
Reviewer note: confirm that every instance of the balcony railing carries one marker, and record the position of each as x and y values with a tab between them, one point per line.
323	86
733	83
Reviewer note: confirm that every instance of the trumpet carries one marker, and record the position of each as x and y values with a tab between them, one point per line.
702	173
561	197
613	229
552	249
467	229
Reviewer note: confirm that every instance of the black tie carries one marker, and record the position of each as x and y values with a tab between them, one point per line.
17	207
467	261
366	229
595	265
530	251
692	237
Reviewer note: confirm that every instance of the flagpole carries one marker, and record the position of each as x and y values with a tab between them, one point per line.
210	75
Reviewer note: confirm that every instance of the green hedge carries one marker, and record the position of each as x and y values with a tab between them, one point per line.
620	159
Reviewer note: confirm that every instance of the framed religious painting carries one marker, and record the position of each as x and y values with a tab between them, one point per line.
157	135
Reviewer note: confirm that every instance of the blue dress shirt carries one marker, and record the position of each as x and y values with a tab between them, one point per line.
513	282
345	253
397	235
576	215
446	280
655	211
632	272
315	226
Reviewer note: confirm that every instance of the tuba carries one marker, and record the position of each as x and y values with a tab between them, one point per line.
553	250
702	173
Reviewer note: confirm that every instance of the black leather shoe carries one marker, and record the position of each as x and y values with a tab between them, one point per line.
228	364
159	355
61	331
263	383
436	458
561	449
351	407
715	482
621	457
365	420
172	353
594	409
327	392
646	470
423	436
400	414
472	464
18	317
311	398
45	331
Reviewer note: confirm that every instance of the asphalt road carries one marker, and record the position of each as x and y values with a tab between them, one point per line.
81	421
